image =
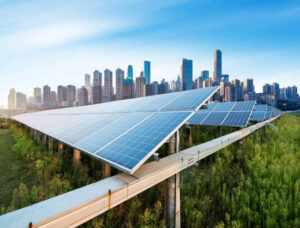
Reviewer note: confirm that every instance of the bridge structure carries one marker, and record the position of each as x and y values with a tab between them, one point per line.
76	207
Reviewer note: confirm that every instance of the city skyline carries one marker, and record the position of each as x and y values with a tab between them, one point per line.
256	46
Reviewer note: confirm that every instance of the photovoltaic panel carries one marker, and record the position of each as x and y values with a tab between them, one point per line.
237	119
215	118
144	138
198	117
268	115
122	133
224	114
258	116
261	108
246	106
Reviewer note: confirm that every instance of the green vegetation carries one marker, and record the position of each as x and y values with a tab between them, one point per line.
252	183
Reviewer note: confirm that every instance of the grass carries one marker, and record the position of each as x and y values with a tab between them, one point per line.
13	171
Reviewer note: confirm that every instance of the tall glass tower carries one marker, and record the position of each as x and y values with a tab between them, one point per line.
147	72
187	74
130	72
218	66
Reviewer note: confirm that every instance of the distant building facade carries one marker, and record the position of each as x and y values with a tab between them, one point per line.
187	74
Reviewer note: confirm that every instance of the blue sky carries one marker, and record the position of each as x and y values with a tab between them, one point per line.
57	42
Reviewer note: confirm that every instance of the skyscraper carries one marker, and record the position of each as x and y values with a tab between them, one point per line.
71	95
140	86
87	80
61	95
205	74
83	96
97	87
267	89
187	74
20	100
147	72
119	83
218	66
12	99
275	90
130	72
108	89
178	84
46	95
37	94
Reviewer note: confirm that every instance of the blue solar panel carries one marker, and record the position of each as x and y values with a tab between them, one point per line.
105	135
209	106
237	119
134	147
225	107
143	123
215	118
244	106
258	116
191	99
268	115
260	108
198	117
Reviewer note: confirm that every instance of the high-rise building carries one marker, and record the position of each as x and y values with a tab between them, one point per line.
83	98
275	90
147	72
154	88
187	74
52	102
294	93
108	89
205	74
140	86
37	94
238	94
46	95
20	101
163	87
119	83
218	66
288	93
248	86
130	72
178	84
61	95
199	82
97	87
71	95
87	80
225	78
12	99
127	88
267	89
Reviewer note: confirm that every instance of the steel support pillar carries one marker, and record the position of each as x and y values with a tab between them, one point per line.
189	140
105	170
220	130
38	137
76	156
60	147
44	139
50	143
173	190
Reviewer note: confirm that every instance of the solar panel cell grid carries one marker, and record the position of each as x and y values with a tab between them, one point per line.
142	139
244	106
236	119
214	118
198	117
225	107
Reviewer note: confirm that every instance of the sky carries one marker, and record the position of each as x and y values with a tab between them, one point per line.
57	42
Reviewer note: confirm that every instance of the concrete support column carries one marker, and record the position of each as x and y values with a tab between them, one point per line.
60	147
220	130
189	140
38	137
44	139
105	170
173	191
50	143
76	156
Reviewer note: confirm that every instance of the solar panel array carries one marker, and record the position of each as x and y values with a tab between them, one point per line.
122	133
263	112
235	114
